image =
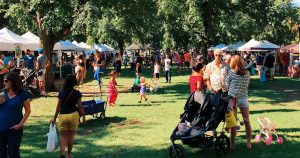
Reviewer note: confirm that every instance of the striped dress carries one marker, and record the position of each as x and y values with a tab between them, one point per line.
238	85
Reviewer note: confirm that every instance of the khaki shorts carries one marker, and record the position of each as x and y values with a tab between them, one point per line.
272	70
68	122
41	77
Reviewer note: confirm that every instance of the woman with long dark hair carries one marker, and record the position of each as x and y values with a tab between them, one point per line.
12	119
68	105
238	82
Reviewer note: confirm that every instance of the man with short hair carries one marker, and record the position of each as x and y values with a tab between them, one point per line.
216	72
41	65
29	62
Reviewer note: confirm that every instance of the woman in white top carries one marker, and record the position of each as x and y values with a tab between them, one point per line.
156	72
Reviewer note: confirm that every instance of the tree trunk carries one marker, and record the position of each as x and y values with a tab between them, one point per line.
121	46
208	28
48	42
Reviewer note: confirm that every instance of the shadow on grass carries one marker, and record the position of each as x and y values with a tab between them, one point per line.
271	111
35	138
139	104
279	91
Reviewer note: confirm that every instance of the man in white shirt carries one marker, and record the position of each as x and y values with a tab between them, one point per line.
168	68
216	73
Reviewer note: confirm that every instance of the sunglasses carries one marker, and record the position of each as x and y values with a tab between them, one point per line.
218	55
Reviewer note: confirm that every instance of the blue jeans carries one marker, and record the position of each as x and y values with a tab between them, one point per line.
168	76
10	142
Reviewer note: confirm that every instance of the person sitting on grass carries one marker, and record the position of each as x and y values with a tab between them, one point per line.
143	89
68	105
113	93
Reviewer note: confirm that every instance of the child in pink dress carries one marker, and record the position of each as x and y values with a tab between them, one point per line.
113	93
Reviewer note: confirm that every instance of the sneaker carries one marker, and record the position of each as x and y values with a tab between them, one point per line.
139	101
146	99
62	156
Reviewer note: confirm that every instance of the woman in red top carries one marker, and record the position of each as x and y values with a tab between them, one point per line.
195	78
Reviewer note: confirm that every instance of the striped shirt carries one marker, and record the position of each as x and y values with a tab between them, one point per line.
238	85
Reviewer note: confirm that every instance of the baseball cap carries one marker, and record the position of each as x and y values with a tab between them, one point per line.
40	51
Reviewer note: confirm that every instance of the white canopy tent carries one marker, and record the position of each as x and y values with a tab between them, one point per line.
219	46
104	48
254	45
31	36
67	46
6	45
19	42
84	45
233	47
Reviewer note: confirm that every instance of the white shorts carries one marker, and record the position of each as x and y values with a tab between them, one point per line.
242	103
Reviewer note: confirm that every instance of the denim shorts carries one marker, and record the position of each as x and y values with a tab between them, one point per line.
242	103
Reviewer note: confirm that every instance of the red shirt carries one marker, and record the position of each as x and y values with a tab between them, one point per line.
193	83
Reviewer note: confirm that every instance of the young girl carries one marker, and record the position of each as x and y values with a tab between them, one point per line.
143	88
113	93
156	72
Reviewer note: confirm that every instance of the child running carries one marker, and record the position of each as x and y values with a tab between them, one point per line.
156	72
113	93
143	89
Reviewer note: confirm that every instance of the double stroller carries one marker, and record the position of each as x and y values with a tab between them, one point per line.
197	127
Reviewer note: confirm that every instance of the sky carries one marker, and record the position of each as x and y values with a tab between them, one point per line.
296	2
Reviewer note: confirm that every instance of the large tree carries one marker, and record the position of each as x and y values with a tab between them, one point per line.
53	20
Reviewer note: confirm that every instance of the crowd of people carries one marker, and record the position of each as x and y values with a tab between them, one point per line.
225	73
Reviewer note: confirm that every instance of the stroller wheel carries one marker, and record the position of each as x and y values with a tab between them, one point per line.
178	152
222	145
102	116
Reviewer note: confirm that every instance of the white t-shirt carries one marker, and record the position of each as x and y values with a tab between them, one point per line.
167	64
156	69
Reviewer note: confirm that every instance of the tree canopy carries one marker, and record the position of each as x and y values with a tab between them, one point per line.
161	23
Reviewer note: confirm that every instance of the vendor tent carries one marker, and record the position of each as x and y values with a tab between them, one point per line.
6	45
104	48
219	46
233	47
134	46
84	45
17	40
67	46
254	45
31	36
292	48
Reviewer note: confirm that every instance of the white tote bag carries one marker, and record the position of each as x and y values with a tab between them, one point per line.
52	142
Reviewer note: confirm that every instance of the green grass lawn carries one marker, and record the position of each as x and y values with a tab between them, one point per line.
133	130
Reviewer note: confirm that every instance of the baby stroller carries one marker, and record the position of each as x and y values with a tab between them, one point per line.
197	127
28	80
